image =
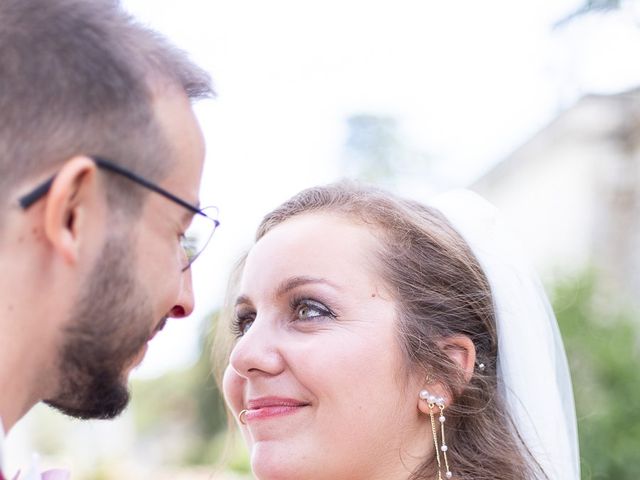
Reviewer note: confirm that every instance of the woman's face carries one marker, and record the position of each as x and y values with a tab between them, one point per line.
317	362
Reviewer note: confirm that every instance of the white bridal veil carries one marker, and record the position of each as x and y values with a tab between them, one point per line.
532	366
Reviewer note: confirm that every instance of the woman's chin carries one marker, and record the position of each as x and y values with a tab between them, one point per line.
272	462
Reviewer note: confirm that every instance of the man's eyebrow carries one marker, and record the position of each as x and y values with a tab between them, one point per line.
241	300
291	284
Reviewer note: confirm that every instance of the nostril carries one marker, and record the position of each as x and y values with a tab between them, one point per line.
178	311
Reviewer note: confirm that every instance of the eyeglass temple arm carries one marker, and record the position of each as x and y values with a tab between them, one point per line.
36	194
107	165
41	190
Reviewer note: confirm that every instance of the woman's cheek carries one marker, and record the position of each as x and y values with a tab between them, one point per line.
232	387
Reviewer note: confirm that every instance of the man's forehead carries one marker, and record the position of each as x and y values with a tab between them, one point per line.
185	141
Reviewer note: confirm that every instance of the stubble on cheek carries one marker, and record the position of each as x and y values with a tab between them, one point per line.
108	329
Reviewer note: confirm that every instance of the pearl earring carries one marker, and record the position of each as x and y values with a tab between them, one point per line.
439	402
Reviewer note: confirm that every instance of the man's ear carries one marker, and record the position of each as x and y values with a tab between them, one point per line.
67	207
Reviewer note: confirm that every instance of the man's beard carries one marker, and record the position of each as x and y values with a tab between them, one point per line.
108	328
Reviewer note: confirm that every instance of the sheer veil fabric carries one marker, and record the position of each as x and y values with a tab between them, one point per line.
533	373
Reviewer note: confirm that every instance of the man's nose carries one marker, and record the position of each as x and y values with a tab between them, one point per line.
185	302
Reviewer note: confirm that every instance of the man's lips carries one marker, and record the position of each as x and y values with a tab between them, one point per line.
159	327
268	407
139	356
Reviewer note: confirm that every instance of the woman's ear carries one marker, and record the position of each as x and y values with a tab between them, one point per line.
67	206
461	350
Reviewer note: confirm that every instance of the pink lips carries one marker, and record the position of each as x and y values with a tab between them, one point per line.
269	407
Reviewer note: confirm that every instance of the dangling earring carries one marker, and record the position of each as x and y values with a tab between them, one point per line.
432	403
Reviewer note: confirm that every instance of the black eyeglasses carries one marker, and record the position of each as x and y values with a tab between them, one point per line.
195	239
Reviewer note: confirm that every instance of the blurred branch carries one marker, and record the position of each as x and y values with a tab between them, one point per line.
376	151
590	6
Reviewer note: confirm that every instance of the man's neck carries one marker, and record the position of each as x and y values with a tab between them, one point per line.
1	446
26	342
14	400
32	303
21	379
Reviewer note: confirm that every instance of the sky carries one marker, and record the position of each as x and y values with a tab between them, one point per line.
467	81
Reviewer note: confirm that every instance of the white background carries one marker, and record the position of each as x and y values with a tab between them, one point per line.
468	81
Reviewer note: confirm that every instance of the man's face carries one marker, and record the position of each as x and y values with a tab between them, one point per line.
135	285
107	331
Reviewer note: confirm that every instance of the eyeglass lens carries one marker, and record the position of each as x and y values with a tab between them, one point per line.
199	233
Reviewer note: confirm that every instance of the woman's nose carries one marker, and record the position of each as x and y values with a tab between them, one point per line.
258	351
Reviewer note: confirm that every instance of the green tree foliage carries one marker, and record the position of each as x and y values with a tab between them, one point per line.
602	345
186	406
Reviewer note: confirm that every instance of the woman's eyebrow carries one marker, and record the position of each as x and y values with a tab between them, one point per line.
298	281
289	284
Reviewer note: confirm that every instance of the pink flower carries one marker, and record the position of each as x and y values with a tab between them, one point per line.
55	474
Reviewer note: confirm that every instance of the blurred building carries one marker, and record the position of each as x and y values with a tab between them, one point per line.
572	191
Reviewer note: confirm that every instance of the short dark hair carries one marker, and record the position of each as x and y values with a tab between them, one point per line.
78	77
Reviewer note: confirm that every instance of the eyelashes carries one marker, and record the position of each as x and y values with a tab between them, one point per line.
309	309
241	323
301	309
